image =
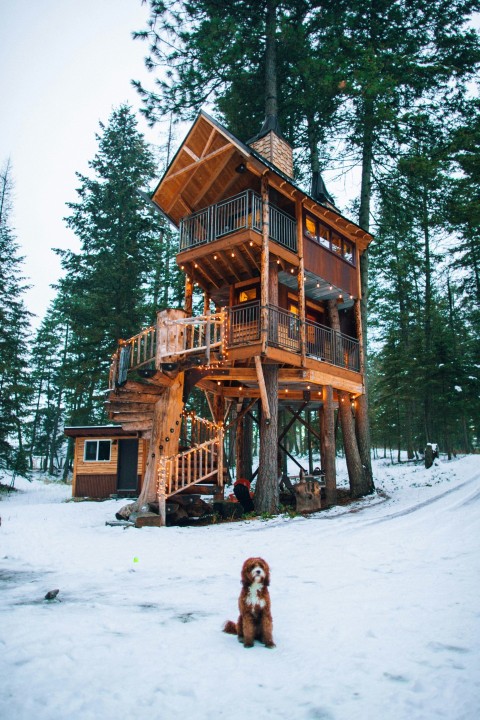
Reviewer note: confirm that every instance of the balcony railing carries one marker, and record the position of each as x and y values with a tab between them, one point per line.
243	211
322	342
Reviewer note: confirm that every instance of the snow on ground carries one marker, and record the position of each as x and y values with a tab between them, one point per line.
375	609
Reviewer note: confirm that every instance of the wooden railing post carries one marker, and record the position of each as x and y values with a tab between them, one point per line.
161	490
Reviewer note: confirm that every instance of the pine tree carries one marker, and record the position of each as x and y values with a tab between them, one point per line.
112	284
14	336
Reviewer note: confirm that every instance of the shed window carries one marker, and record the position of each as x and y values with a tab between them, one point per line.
97	450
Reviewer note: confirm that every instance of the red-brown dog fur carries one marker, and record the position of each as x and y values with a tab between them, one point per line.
255	621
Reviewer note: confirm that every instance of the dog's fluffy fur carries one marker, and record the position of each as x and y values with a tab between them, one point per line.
255	621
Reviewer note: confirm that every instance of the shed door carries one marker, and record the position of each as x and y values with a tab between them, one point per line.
127	465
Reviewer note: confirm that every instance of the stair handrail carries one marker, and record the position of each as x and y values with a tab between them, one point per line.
192	466
199	333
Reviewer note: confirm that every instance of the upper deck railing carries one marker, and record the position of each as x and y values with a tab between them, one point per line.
243	211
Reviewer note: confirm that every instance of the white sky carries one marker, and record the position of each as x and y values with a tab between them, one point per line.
64	65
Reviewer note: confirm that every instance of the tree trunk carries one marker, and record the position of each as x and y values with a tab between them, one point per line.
360	484
328	445
356	474
267	487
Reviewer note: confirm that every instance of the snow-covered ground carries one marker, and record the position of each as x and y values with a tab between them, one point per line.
375	607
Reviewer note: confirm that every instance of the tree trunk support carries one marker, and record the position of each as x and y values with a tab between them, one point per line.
328	445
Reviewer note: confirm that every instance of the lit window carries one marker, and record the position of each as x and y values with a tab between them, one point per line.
247	295
310	227
97	450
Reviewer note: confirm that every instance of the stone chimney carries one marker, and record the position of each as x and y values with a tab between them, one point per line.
273	147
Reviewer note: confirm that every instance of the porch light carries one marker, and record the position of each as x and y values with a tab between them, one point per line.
241	168
215	257
251	243
331	287
318	284
292	270
196	265
233	254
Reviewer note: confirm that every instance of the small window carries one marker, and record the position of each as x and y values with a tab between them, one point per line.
247	295
336	244
97	450
323	235
310	227
348	251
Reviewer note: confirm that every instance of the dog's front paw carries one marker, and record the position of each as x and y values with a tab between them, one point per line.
248	644
270	644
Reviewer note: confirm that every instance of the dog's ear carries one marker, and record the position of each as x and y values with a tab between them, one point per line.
244	575
266	568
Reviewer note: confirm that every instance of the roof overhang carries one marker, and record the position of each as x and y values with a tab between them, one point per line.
212	164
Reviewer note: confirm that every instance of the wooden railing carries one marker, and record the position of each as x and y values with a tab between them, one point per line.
200	463
172	340
200	334
196	430
236	213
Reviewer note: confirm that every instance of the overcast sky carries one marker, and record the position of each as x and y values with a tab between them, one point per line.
64	65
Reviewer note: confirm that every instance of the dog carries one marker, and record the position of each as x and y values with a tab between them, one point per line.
255	620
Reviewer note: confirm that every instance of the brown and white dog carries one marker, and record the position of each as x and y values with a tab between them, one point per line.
255	621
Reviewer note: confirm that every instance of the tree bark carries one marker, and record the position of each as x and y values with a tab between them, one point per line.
328	445
267	487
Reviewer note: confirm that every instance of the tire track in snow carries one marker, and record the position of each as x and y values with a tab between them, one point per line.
414	508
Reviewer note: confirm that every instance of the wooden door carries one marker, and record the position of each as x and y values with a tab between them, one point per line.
127	477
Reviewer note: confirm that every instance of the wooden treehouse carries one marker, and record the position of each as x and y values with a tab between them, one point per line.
280	272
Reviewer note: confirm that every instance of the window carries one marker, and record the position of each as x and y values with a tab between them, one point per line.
320	233
336	244
247	295
348	251
97	450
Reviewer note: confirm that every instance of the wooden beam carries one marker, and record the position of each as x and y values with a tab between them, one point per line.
264	266
301	279
262	388
197	164
206	187
228	262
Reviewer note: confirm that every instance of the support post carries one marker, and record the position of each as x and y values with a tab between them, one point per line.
328	445
263	390
264	267
301	281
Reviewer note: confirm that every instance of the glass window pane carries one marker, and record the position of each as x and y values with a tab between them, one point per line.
336	244
90	450
348	251
104	449
247	295
310	227
323	235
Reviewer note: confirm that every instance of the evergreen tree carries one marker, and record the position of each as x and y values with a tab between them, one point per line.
112	283
14	335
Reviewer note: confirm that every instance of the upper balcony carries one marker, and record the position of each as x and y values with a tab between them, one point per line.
222	243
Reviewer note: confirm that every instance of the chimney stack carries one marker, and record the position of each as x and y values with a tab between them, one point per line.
273	147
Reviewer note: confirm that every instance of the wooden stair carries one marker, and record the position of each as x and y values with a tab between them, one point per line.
193	470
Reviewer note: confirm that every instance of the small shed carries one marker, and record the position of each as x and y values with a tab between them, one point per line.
107	461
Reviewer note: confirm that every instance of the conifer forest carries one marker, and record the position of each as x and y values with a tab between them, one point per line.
384	89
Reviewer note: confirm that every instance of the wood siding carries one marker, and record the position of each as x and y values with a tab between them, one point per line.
326	265
99	479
